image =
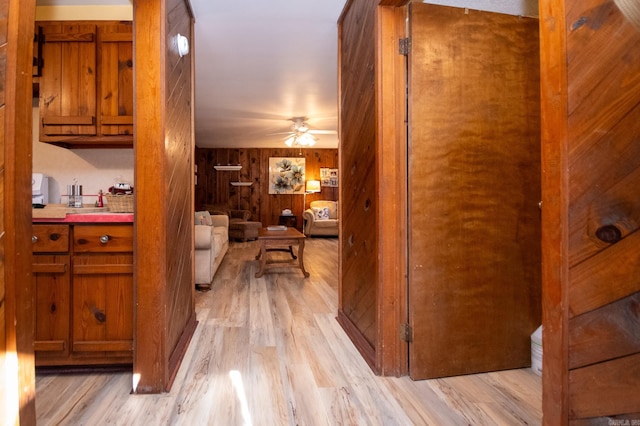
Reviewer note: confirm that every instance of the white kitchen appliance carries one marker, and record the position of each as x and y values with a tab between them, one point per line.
39	188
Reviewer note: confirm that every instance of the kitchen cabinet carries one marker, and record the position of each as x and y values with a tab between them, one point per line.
102	290
86	83
84	293
51	278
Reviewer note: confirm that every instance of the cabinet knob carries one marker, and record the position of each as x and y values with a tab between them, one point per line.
34	239
104	239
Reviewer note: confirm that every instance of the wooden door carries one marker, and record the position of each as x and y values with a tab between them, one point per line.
591	213
474	189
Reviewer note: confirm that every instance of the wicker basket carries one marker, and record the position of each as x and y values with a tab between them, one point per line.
120	203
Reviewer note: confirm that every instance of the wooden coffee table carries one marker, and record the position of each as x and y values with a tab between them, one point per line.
280	241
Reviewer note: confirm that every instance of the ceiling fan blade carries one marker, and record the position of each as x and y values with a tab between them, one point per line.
323	132
280	133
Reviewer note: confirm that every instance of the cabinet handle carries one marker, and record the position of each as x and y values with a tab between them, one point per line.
104	239
34	239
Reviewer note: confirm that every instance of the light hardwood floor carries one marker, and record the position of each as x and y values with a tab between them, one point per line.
268	351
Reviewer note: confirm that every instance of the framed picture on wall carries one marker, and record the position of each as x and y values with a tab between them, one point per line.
329	177
286	175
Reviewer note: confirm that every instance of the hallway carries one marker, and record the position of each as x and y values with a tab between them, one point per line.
269	351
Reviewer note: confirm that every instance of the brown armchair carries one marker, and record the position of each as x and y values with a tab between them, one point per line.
240	226
234	215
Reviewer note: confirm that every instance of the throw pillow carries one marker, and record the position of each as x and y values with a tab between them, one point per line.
321	213
203	218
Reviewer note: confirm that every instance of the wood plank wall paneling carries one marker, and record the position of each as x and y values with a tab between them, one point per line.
358	162
179	183
591	120
214	187
164	146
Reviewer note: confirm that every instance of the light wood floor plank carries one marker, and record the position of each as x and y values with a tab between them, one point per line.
269	351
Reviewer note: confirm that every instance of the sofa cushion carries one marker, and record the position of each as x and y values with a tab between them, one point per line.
332	205
321	213
328	223
203	218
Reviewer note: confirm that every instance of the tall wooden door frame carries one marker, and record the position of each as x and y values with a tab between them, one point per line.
392	352
17	368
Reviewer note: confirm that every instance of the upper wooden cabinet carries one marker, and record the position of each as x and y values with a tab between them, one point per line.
86	83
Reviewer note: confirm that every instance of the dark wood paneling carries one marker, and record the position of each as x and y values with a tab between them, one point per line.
591	280
591	157
164	149
214	187
611	331
359	166
179	180
179	152
604	389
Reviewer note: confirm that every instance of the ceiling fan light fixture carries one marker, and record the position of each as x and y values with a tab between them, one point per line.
306	139
290	141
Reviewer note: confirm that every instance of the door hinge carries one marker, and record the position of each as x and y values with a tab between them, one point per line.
403	46
406	332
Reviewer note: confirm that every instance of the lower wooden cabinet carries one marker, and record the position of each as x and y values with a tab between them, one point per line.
84	295
51	276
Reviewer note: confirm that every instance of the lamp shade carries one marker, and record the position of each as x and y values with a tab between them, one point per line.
313	186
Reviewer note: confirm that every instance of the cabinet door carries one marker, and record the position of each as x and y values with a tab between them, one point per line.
51	281
68	81
103	304
115	62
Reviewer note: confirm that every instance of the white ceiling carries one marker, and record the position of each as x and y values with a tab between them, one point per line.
260	63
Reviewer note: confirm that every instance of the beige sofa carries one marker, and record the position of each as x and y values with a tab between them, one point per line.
321	218
211	244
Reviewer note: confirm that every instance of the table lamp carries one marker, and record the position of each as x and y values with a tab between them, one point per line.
311	187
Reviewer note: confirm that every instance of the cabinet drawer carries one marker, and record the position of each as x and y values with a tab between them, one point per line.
102	238
50	238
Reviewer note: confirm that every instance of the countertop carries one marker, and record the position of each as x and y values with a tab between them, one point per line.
60	213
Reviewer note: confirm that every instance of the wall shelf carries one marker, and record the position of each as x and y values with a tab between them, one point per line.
241	183
227	168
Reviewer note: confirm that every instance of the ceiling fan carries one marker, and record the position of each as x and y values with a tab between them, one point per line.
300	133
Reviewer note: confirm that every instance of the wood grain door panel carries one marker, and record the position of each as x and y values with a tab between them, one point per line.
115	55
474	187
68	82
51	276
103	303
